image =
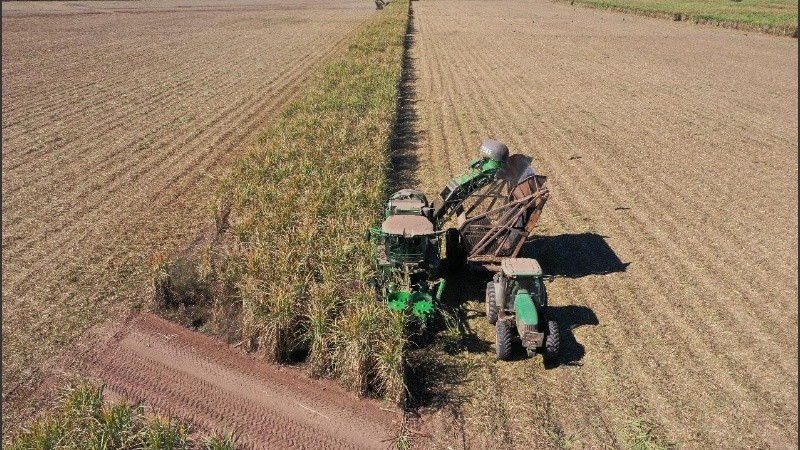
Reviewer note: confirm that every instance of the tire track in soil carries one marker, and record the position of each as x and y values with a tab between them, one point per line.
685	342
196	378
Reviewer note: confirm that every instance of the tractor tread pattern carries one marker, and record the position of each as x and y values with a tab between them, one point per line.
503	339
552	343
491	305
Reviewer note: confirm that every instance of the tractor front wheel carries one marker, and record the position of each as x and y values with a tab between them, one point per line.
552	344
504	332
491	304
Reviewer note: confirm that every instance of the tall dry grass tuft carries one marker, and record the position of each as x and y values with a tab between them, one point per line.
83	421
294	212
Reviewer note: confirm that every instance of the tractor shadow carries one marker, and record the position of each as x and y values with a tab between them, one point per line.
574	255
569	318
435	369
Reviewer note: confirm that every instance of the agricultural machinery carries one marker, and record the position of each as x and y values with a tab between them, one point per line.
496	205
516	303
407	253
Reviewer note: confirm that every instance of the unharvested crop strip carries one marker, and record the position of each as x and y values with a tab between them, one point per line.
299	203
662	12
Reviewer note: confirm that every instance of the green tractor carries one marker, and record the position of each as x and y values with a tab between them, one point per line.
516	304
407	255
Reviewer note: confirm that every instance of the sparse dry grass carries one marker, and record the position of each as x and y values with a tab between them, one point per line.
83	421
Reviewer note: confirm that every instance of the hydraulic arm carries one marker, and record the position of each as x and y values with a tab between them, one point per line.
482	171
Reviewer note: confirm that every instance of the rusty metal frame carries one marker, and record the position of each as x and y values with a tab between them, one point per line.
511	212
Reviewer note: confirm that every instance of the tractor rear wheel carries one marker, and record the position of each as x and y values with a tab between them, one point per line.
504	331
491	304
552	344
456	259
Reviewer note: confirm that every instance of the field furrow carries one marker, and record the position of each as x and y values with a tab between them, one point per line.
174	159
672	151
117	128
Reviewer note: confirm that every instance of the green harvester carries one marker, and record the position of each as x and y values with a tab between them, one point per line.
407	255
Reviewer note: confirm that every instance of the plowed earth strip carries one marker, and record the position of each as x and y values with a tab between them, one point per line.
196	378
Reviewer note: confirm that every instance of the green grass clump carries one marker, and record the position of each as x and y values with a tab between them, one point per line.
641	436
296	210
769	16
83	421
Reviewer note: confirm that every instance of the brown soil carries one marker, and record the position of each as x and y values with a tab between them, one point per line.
194	377
672	225
118	120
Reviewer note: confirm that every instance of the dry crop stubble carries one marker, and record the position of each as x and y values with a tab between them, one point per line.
672	147
115	127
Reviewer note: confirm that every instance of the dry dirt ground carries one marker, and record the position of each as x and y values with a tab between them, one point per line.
672	225
118	118
200	379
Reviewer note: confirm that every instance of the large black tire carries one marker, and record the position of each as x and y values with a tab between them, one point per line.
456	259
491	305
552	343
504	332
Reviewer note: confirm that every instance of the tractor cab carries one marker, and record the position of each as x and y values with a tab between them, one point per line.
409	202
407	237
522	276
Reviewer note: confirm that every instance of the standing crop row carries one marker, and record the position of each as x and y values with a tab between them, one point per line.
295	211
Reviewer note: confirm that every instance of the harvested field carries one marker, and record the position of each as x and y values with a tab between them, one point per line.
197	378
672	227
118	119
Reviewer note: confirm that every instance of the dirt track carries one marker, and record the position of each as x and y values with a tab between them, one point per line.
197	378
672	155
118	117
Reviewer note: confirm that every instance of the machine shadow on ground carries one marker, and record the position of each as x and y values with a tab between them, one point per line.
435	367
430	378
574	255
405	137
569	318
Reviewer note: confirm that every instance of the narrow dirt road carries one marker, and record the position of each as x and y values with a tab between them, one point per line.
672	227
118	120
196	378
